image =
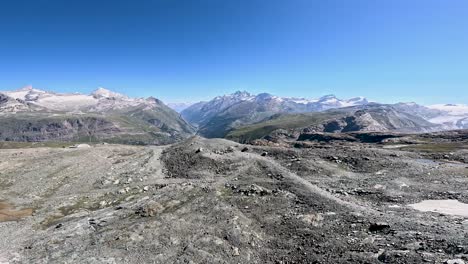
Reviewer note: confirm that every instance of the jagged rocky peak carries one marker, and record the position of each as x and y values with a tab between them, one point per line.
105	93
241	94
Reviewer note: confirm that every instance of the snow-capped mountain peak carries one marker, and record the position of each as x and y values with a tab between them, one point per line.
27	93
264	104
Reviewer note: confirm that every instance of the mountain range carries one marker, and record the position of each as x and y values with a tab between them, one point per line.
223	114
31	114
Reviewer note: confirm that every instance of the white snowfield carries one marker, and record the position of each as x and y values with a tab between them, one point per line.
66	102
449	207
454	116
454	109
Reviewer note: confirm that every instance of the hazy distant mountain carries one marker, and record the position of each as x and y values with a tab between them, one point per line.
214	118
31	114
179	107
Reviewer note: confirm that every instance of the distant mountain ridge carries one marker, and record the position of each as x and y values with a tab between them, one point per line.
30	114
214	118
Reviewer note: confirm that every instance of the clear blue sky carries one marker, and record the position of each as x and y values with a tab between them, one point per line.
185	50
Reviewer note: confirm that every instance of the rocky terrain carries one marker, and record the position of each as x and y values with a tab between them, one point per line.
398	198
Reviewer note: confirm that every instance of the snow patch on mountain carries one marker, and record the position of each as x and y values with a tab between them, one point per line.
454	109
67	102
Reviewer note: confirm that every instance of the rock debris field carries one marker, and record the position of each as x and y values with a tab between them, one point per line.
218	201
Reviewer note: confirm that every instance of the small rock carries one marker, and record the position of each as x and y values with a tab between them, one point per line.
264	154
245	149
379	226
80	146
106	182
150	209
199	150
231	149
146	188
235	251
379	186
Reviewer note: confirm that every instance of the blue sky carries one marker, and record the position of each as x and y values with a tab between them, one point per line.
187	50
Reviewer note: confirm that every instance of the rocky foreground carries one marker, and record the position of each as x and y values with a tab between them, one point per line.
217	201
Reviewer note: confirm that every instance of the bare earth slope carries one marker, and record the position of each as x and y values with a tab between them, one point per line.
217	201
